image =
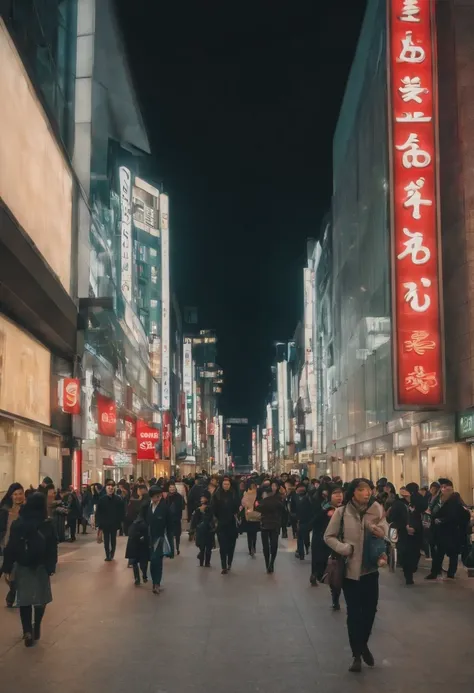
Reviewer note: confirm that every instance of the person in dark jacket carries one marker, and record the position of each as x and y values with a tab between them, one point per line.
109	516
138	499
160	534
138	549
302	510
32	550
225	506
74	513
194	496
271	510
87	508
176	506
406	515
449	521
203	527
320	551
10	507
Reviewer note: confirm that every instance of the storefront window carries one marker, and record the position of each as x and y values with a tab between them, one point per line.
27	455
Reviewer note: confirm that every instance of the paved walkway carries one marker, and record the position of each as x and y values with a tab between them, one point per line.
243	632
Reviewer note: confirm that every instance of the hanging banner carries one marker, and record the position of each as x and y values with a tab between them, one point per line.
126	232
147	438
416	249
165	304
69	395
166	435
107	416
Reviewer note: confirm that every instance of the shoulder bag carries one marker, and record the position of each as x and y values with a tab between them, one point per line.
336	567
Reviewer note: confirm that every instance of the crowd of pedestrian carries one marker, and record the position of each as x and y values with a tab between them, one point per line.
350	530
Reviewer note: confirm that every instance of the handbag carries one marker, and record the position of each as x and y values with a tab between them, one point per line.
336	567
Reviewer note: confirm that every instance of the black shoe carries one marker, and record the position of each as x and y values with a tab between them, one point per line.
207	565
145	579
451	577
356	666
37	631
28	638
224	571
313	580
9	605
201	564
178	552
431	576
137	582
107	559
368	657
336	606
409	581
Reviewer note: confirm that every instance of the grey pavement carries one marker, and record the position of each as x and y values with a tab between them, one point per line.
245	631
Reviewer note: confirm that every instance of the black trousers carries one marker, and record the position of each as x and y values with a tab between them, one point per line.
438	558
270	545
72	525
227	541
26	615
205	551
252	531
408	557
110	542
140	566
303	542
361	597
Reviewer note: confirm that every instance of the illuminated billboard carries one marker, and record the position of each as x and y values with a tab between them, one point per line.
165	303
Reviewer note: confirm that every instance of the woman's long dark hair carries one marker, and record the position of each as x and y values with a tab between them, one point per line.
352	487
7	500
35	509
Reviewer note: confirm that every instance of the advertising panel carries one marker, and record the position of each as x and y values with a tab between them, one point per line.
165	303
166	435
25	374
35	181
126	248
254	448
147	438
416	277
107	416
69	395
187	366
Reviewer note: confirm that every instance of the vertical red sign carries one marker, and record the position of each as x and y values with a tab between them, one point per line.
107	416
70	395
416	274
147	438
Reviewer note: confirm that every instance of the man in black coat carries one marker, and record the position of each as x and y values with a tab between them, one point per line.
406	515
109	517
176	504
449	522
160	532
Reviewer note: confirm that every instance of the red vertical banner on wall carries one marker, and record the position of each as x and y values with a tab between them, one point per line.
69	395
147	439
166	423
416	249
107	416
77	469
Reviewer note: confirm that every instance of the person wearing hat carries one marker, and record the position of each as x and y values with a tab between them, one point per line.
159	521
349	534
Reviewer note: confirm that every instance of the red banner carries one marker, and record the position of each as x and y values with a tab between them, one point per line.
70	395
77	469
147	438
416	275
107	416
166	435
130	427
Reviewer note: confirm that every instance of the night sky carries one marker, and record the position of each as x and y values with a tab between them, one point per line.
240	101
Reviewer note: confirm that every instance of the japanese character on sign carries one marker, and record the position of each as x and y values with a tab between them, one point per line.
410	11
421	381
412	154
412	89
411	53
419	342
412	297
414	117
414	247
414	198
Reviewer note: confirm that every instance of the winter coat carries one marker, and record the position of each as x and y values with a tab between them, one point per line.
304	511
319	549
158	522
203	524
449	523
138	546
194	496
225	506
176	504
24	531
408	513
248	503
110	513
356	527
271	509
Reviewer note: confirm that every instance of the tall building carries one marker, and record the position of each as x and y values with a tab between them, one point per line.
38	241
394	352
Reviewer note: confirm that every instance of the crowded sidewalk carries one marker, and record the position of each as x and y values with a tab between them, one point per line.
249	631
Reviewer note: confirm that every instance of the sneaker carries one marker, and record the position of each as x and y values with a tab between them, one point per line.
224	571
356	666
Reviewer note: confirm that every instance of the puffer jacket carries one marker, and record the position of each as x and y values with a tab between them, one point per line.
351	544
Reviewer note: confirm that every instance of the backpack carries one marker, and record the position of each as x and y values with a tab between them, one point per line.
33	548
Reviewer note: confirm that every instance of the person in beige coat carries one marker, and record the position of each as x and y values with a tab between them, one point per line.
252	517
352	532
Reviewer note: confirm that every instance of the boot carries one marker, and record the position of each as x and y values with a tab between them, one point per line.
356	666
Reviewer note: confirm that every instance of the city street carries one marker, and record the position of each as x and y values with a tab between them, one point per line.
246	631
